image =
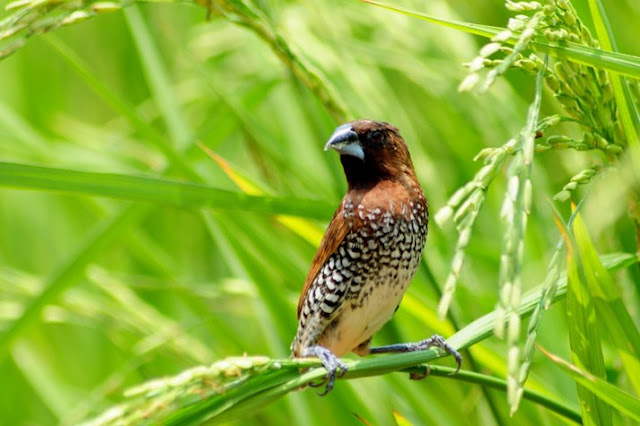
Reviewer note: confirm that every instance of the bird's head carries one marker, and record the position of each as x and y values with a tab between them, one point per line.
371	151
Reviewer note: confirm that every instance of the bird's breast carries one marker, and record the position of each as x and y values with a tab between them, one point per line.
378	259
386	246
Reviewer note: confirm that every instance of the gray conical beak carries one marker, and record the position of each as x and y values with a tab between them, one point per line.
345	140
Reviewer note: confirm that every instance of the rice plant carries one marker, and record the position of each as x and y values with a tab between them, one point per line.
164	189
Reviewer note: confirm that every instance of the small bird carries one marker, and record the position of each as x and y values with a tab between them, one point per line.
369	253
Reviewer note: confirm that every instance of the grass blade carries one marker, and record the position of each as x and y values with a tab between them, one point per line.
476	29
623	64
247	394
278	377
585	342
612	313
154	190
584	335
312	233
625	403
258	381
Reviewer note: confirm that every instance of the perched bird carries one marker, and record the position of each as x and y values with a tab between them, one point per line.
369	253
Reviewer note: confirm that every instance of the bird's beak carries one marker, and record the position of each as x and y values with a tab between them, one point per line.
345	141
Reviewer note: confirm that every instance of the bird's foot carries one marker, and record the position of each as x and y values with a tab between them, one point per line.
438	341
330	362
435	340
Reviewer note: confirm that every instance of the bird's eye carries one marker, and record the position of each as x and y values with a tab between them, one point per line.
376	136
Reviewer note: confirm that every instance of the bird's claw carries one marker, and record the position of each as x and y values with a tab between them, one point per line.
439	341
321	382
331	363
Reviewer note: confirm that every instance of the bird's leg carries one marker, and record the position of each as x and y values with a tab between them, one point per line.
435	340
329	361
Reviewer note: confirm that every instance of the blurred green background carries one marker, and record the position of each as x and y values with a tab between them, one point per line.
174	288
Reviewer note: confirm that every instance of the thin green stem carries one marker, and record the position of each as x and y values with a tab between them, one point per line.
468	356
267	380
495	383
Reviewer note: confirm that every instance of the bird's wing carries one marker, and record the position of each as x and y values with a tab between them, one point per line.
333	237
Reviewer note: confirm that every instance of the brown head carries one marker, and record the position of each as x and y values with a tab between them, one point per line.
371	151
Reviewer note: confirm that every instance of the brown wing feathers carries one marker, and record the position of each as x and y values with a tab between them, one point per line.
332	239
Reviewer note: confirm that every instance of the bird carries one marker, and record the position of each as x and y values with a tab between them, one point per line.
369	253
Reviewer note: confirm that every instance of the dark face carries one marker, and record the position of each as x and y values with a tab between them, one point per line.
370	151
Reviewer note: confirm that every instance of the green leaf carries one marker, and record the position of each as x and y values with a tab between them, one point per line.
622	401
613	316
154	190
584	337
304	228
612	61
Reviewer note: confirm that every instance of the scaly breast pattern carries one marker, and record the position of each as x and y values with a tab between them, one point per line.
358	289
